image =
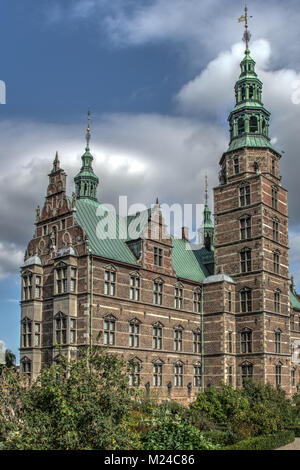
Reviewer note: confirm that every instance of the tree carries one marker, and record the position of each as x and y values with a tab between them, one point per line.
77	405
10	358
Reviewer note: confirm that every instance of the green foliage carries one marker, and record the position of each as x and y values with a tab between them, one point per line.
222	438
254	410
270	410
13	395
78	405
225	407
264	442
176	434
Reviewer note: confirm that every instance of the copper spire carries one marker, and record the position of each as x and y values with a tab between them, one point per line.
206	189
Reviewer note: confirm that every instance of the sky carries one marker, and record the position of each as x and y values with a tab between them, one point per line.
158	76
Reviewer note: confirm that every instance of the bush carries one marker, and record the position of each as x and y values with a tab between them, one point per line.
176	435
222	438
78	405
265	442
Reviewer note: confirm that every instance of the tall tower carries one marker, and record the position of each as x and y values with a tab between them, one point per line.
251	235
86	182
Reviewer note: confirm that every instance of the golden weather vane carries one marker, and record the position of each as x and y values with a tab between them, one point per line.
247	35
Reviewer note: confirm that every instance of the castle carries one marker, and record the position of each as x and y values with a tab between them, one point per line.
184	317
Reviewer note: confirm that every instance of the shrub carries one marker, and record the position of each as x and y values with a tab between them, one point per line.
264	442
78	405
176	435
222	438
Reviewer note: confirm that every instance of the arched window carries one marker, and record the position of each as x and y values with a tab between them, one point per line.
241	126
243	93
251	92
253	125
263	127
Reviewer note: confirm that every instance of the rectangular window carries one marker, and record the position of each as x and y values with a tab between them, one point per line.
109	332
273	167
230	341
246	300
26	333
277	301
109	283
61	280
178	340
38	281
134	335
63	224
158	256
61	330
197	342
37	334
247	372
278	375
245	228
134	288
292	321
73	280
45	229
197	376
275	230
26	368
157	375
72	331
244	196
236	166
157	293
277	342
229	301
134	374
178	297
276	263
274	198
245	256
246	342
230	381
197	301
178	375
157	337
293	377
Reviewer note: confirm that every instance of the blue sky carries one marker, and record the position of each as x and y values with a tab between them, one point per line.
158	76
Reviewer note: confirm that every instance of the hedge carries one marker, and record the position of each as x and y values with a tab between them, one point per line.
296	430
265	442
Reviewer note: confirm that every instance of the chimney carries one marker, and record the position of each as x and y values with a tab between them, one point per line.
185	233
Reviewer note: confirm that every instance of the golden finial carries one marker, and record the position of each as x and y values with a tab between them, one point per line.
247	35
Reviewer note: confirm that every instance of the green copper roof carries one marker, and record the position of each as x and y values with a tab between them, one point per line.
295	302
114	249
185	261
250	141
